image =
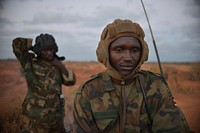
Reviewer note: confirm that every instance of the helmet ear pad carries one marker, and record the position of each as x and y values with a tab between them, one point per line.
44	41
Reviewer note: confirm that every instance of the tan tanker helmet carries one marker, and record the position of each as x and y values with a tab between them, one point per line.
120	28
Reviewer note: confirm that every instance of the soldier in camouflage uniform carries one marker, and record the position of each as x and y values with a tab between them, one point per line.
124	98
45	74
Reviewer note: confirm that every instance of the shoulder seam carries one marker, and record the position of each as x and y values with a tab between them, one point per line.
89	79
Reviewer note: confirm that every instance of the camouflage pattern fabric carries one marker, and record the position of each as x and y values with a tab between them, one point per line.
42	104
54	127
96	106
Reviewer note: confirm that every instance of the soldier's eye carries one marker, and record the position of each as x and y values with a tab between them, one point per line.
118	49
135	50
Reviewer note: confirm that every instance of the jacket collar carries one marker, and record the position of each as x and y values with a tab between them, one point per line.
108	84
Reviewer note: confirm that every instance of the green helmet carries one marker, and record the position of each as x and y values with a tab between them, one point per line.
44	41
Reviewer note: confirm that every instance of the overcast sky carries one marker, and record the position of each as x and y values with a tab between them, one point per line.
77	25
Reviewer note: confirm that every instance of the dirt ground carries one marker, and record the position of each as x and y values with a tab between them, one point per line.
183	79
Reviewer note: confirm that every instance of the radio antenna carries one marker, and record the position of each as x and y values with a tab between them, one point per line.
154	43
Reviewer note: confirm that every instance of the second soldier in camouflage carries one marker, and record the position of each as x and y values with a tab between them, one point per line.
45	74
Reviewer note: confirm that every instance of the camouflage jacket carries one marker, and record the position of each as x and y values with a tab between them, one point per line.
44	83
96	106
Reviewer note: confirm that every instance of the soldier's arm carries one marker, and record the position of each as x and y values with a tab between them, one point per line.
84	122
21	46
168	117
68	76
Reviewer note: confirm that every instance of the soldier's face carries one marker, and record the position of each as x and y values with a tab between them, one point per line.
125	54
47	54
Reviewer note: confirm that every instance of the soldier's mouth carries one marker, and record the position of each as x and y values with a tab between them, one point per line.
127	66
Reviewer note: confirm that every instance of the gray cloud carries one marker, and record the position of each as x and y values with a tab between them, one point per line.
5	21
54	18
195	9
79	24
2	4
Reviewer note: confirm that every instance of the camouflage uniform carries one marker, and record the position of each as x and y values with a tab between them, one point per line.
149	103
97	106
42	104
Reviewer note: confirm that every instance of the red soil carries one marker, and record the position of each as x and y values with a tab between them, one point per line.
183	79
